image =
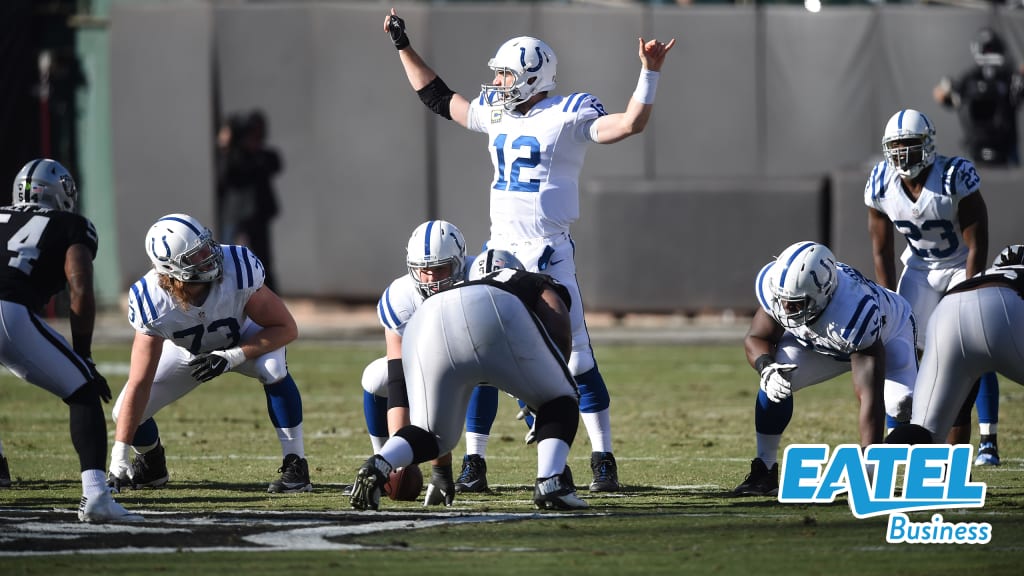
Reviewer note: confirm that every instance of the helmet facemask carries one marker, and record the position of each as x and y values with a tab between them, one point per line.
182	248
803	281
436	246
909	143
442	276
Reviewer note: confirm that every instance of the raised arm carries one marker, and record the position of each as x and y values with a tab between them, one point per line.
433	92
615	127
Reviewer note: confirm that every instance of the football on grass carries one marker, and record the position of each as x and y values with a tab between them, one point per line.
404	483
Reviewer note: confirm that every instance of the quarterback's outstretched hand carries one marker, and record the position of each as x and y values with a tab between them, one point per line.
653	52
775	383
395	27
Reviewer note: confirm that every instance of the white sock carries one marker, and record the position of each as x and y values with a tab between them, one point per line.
599	429
291	441
397	451
984	428
551	456
768	448
477	444
377	442
94	483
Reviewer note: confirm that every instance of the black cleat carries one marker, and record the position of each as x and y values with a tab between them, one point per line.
294	476
762	481
556	493
149	470
606	472
474	475
370	480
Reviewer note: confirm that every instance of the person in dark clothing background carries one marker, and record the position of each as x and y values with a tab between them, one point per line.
247	201
986	97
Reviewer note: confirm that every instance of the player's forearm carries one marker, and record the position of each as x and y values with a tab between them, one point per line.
129	415
82	320
416	70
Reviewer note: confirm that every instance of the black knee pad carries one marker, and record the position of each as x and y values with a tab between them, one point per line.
558	418
424	445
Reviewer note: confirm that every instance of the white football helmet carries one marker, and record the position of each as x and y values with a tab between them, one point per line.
44	182
802	282
182	248
433	245
531	62
909	143
492	259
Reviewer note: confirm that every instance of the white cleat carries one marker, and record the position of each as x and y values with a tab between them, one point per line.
102	508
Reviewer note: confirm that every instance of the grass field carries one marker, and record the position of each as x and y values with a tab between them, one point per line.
683	424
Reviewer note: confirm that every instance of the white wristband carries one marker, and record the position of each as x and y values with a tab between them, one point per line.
646	86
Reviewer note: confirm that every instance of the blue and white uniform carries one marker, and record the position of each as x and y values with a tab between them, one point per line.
537	159
219	323
859	314
936	256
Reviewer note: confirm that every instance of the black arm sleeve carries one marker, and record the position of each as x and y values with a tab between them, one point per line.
437	96
398	397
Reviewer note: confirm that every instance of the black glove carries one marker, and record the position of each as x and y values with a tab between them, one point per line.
98	382
1012	255
209	366
396	28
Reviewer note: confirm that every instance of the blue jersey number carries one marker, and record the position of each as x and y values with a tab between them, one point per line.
512	183
230	325
943	229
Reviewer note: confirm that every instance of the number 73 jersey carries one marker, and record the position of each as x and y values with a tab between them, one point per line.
537	160
217	323
931	224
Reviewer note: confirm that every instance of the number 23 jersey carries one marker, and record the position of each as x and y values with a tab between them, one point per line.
931	224
217	323
537	160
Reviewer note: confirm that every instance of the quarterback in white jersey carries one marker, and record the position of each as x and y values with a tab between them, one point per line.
818	319
935	202
200	312
537	143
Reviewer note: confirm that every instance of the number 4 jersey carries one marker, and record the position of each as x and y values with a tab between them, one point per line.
215	324
537	160
37	241
930	225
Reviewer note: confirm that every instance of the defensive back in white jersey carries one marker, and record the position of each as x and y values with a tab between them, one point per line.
930	224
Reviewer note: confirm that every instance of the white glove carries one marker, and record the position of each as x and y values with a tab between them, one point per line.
774	381
120	465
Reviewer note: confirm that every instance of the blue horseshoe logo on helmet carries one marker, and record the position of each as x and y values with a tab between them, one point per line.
522	59
152	249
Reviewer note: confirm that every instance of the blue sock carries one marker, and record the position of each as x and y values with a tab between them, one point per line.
483	409
593	391
375	411
988	399
284	403
147	434
529	417
771	417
